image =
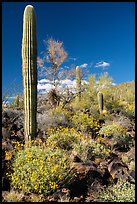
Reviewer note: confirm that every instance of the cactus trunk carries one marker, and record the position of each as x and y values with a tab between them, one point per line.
29	72
78	82
100	102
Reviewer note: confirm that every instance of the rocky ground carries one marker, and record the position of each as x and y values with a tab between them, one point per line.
92	176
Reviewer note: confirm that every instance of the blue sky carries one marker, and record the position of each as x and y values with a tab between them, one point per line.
98	35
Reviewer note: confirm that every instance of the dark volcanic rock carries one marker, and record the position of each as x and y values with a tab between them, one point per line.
10	117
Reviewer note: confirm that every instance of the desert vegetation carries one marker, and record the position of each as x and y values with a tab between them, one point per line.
82	147
79	153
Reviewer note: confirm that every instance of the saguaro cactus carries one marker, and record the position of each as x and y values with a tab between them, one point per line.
29	72
100	102
78	81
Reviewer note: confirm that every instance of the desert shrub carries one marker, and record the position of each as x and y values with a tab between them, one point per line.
35	198
95	111
124	122
112	129
60	117
12	196
63	138
129	109
85	123
40	170
122	99
17	103
9	150
54	118
82	104
16	146
123	191
88	149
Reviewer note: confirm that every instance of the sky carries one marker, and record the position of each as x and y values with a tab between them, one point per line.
98	37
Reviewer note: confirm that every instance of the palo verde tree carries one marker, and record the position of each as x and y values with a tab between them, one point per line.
49	66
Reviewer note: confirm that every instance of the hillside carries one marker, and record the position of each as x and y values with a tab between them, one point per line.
83	151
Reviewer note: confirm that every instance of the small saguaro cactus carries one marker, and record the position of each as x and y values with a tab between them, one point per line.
29	72
100	102
78	81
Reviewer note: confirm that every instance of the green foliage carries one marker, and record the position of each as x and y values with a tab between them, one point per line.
40	170
123	191
83	104
18	103
84	122
121	97
112	129
88	149
92	85
112	104
128	109
104	82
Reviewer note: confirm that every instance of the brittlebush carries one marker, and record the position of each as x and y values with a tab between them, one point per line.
40	170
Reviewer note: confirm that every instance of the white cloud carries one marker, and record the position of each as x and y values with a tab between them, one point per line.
102	64
84	65
45	85
43	81
68	82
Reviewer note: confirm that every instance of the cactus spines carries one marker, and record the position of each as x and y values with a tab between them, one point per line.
78	81
29	72
100	102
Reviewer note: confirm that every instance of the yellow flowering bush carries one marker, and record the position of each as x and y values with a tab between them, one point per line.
129	109
84	122
40	170
63	138
117	133
16	146
8	155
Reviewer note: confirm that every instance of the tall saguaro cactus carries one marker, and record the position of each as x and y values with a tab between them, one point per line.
78	81
29	72
100	102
